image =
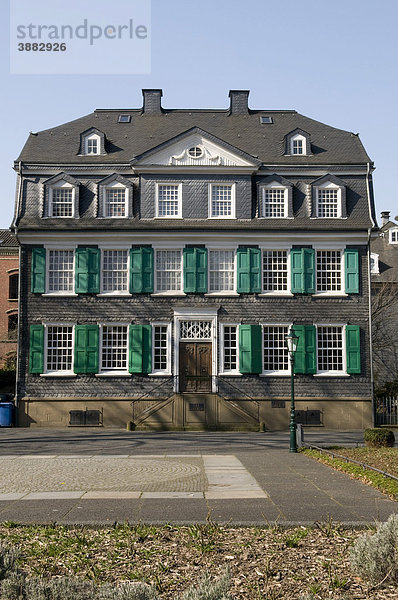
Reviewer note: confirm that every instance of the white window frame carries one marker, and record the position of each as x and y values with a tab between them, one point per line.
328	185
286	292
303	140
59	373
339	292
374	263
87	139
221	292
113	372
393	233
56	186
180	291
233	199
112	186
176	184
223	371
278	373
60	292
166	371
330	373
274	186
115	292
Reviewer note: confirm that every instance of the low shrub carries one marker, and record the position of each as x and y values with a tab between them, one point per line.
210	590
379	438
375	557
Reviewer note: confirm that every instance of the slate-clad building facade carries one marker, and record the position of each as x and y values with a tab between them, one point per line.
165	256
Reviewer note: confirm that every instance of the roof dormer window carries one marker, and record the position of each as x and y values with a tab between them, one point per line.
394	235
329	198
92	143
298	143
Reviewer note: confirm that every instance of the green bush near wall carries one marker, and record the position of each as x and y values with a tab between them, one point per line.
379	438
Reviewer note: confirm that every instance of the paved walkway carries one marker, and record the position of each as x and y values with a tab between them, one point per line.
240	479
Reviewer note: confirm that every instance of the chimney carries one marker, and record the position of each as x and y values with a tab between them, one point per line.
385	217
152	102
239	102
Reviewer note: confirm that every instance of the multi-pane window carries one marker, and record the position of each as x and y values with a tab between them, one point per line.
59	348
114	271
160	350
330	349
221	270
168	270
275	271
222	201
114	348
60	271
168	200
13	287
230	349
328	203
276	356
393	236
328	271
274	202
115	202
297	146
92	145
61	202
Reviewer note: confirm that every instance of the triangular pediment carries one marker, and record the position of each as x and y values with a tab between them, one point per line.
196	148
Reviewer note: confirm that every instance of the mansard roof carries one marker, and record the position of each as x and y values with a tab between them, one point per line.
125	141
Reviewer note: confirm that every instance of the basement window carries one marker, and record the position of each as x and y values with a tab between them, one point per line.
124	118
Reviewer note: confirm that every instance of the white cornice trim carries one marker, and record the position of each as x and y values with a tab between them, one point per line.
193	170
168	239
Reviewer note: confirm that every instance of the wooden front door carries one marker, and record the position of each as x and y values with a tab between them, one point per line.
195	367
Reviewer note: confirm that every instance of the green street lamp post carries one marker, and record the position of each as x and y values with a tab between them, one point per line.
291	342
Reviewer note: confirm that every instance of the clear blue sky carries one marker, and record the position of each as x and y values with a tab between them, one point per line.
333	60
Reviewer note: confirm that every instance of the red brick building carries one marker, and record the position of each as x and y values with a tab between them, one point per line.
9	267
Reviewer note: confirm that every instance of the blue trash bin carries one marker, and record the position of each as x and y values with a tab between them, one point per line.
6	414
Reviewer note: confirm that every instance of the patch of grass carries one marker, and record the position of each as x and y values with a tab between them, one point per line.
374	457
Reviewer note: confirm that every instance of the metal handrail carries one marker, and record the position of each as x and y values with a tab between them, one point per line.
240	391
153	389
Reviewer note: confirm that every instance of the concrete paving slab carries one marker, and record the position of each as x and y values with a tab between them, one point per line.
252	511
164	495
11	496
173	511
35	511
102	512
53	495
228	494
102	495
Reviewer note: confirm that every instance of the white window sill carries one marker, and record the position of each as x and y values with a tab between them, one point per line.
330	295
160	374
284	217
169	294
327	218
230	374
113	294
279	294
332	374
53	294
115	217
113	374
229	218
168	217
233	294
59	374
56	217
275	374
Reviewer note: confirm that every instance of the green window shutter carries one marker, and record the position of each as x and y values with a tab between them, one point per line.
309	270
302	262
352	333
248	270
305	357
38	271
250	349
140	349
297	269
87	270
141	270
195	270
86	349
351	263
36	349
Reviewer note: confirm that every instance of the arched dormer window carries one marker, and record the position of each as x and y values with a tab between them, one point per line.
298	143
61	197
329	198
92	142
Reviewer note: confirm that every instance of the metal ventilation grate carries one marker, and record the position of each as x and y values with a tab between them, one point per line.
85	418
